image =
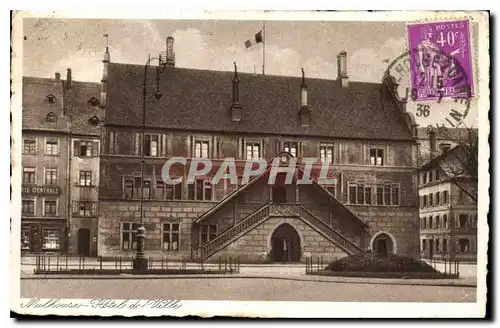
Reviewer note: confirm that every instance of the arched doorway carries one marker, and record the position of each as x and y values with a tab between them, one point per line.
84	241
382	244
285	244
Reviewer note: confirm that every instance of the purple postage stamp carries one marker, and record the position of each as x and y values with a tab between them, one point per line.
440	60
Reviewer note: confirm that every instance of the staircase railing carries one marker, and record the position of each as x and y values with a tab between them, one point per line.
332	234
216	244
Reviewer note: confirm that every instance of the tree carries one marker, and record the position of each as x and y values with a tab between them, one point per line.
461	161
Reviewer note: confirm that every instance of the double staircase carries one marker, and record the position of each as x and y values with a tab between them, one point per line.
276	210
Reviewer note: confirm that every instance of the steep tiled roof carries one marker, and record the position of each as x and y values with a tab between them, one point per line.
72	103
81	111
201	100
36	105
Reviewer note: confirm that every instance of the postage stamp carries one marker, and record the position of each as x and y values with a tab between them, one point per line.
441	64
208	164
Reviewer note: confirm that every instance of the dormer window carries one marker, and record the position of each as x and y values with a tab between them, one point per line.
51	99
51	117
94	120
93	102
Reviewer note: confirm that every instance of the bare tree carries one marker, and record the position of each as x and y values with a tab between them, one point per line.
460	161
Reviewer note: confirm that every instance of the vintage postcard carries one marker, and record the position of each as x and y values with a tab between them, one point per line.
250	164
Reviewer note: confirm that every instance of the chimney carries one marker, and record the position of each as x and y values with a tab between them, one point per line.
303	91
170	60
58	76
304	112
236	107
342	69
104	80
69	80
432	143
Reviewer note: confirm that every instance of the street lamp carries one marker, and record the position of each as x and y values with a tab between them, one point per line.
140	263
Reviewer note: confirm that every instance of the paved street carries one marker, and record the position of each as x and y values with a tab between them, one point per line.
240	289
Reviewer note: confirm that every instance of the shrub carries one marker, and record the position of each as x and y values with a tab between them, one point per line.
370	262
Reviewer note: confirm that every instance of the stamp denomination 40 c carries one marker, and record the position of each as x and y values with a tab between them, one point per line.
441	65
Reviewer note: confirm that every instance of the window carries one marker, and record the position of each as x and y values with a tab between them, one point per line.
25	239
424	178
445	221
111	142
51	117
201	149
84	209
326	153
430	199
52	148
208	232
170	237
474	220
51	99
424	223
424	245
462	220
438	201
438	222
28	207
362	194
376	156
463	245
438	246
445	197
201	189
331	189
29	146
85	178
51	176
431	222
424	200
151	145
132	187
460	197
85	148
29	175
380	195
437	175
445	245
252	150
291	147
430	176
51	239
50	207
167	191
129	232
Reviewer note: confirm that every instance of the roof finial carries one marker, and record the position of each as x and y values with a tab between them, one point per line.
235	70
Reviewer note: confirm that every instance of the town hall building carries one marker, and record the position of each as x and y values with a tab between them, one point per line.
361	130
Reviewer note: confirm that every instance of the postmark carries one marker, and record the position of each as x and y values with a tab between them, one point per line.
451	104
441	64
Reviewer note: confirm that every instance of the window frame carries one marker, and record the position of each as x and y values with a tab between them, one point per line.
51	169
193	190
34	206
44	206
210	236
131	232
323	152
290	144
201	142
376	156
85	175
55	145
253	143
361	187
30	151
57	233
171	232
31	170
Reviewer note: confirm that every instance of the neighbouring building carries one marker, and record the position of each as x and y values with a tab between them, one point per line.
58	115
446	138
362	130
448	215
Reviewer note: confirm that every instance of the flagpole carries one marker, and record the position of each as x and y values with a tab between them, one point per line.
264	47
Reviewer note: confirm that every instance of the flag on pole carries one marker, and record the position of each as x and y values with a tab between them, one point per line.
251	42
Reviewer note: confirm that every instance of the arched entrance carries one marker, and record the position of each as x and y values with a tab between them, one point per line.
382	244
285	244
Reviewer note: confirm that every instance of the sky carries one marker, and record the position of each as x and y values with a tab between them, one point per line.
53	45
